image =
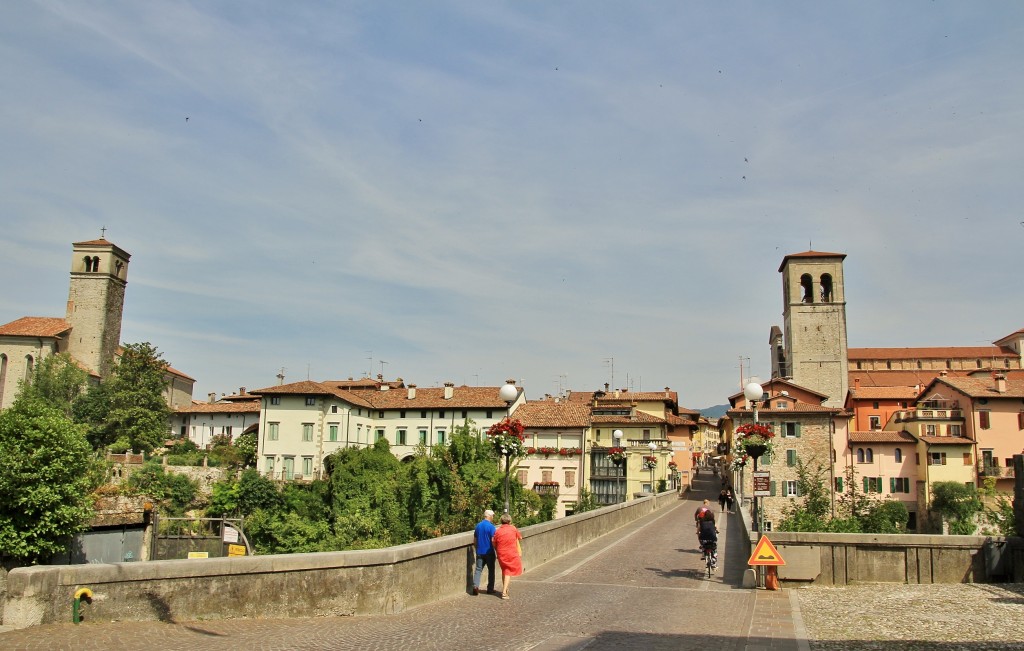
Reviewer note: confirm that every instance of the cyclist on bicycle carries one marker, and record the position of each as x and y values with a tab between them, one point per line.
707	532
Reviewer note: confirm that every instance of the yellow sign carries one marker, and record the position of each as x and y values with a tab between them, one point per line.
765	554
199	554
236	550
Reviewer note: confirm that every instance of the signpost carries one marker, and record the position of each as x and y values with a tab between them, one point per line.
766	555
762	483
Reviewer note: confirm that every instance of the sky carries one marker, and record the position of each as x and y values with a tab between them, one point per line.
564	193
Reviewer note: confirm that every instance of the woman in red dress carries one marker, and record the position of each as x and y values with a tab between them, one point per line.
507	548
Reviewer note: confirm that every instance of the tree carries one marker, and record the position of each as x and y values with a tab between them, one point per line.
59	382
138	411
958	504
810	513
45	483
586	501
245	444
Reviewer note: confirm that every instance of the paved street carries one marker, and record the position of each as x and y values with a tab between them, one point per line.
641	587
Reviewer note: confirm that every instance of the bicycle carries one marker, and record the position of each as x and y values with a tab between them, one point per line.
709	552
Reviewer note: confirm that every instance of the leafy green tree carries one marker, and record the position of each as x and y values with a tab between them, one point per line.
246	495
889	516
245	444
811	513
175	493
958	504
45	482
368	495
287	533
58	381
91	409
586	501
138	410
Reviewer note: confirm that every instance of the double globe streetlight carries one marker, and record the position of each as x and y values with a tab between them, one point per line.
508	393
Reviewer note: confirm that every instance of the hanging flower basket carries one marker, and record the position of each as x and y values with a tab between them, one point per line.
739	462
754	439
617	455
507	438
672	465
650	463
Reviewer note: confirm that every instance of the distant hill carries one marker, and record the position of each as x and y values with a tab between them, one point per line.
714	412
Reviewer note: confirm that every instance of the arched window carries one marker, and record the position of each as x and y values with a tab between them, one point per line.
860	455
28	368
806	283
826	288
95	263
88	263
899	455
869	456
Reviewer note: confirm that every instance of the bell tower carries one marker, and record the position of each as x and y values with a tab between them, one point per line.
814	314
99	274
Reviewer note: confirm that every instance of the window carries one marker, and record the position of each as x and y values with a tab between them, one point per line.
307	466
380	414
791	430
790	489
872	484
647	435
490	414
570	478
440	436
272	431
333	431
984	420
522	475
334	409
379	435
310	401
268	465
954	430
781	405
898	454
423	437
791	457
929	429
545	476
899	484
401	414
275	400
968	459
465	415
869	455
874	422
289	468
400	437
936	458
860	455
423	414
307	431
874	405
839	484
1020	420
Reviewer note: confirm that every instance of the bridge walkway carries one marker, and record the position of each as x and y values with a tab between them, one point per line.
640	587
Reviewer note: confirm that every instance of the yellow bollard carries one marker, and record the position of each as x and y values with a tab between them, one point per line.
81	593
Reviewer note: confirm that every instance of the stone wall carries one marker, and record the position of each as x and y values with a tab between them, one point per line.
295	585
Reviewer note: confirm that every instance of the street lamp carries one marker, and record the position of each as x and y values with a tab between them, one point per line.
652	447
508	393
753	392
617	435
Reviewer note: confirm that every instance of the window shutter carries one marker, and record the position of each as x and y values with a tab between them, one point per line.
906	485
797	430
1020	420
892	484
879	484
797	492
839	484
791	458
865	479
771	488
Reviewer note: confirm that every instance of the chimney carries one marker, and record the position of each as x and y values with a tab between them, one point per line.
380	377
668	392
412	392
449	390
606	387
617	393
212	396
1000	383
241	391
856	383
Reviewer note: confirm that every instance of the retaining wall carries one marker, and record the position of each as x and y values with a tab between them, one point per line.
362	582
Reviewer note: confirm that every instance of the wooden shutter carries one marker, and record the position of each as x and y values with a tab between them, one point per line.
839	484
791	458
771	488
797	432
892	484
865	481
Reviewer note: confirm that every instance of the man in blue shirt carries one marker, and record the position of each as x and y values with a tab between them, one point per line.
484	552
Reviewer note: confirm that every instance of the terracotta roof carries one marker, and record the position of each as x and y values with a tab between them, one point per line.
799	408
897	378
946	440
937	352
984	387
99	242
881	436
251	406
679	421
307	387
810	254
640	417
427	398
35	326
544	413
884	393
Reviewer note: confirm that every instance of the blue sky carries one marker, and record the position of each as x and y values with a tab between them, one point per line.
472	191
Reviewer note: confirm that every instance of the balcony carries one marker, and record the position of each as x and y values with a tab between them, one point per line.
546	488
906	415
995	471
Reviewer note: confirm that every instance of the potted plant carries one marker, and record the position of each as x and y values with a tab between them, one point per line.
507	438
617	455
754	439
650	462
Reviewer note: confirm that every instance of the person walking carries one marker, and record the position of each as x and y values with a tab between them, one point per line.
722	498
729	498
509	551
484	552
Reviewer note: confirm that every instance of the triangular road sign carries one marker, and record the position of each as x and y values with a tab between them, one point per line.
765	554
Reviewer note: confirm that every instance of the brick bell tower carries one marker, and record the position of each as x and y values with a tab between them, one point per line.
814	314
99	274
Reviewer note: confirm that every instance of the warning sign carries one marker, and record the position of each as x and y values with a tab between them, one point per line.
236	550
765	554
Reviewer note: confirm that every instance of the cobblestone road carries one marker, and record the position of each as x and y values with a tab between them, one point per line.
641	587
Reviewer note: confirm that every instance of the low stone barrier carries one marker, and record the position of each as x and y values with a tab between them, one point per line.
361	582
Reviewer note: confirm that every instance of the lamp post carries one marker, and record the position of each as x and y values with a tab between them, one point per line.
753	392
617	435
652	447
508	393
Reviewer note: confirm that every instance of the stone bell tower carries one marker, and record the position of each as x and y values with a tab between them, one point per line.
814	314
99	274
